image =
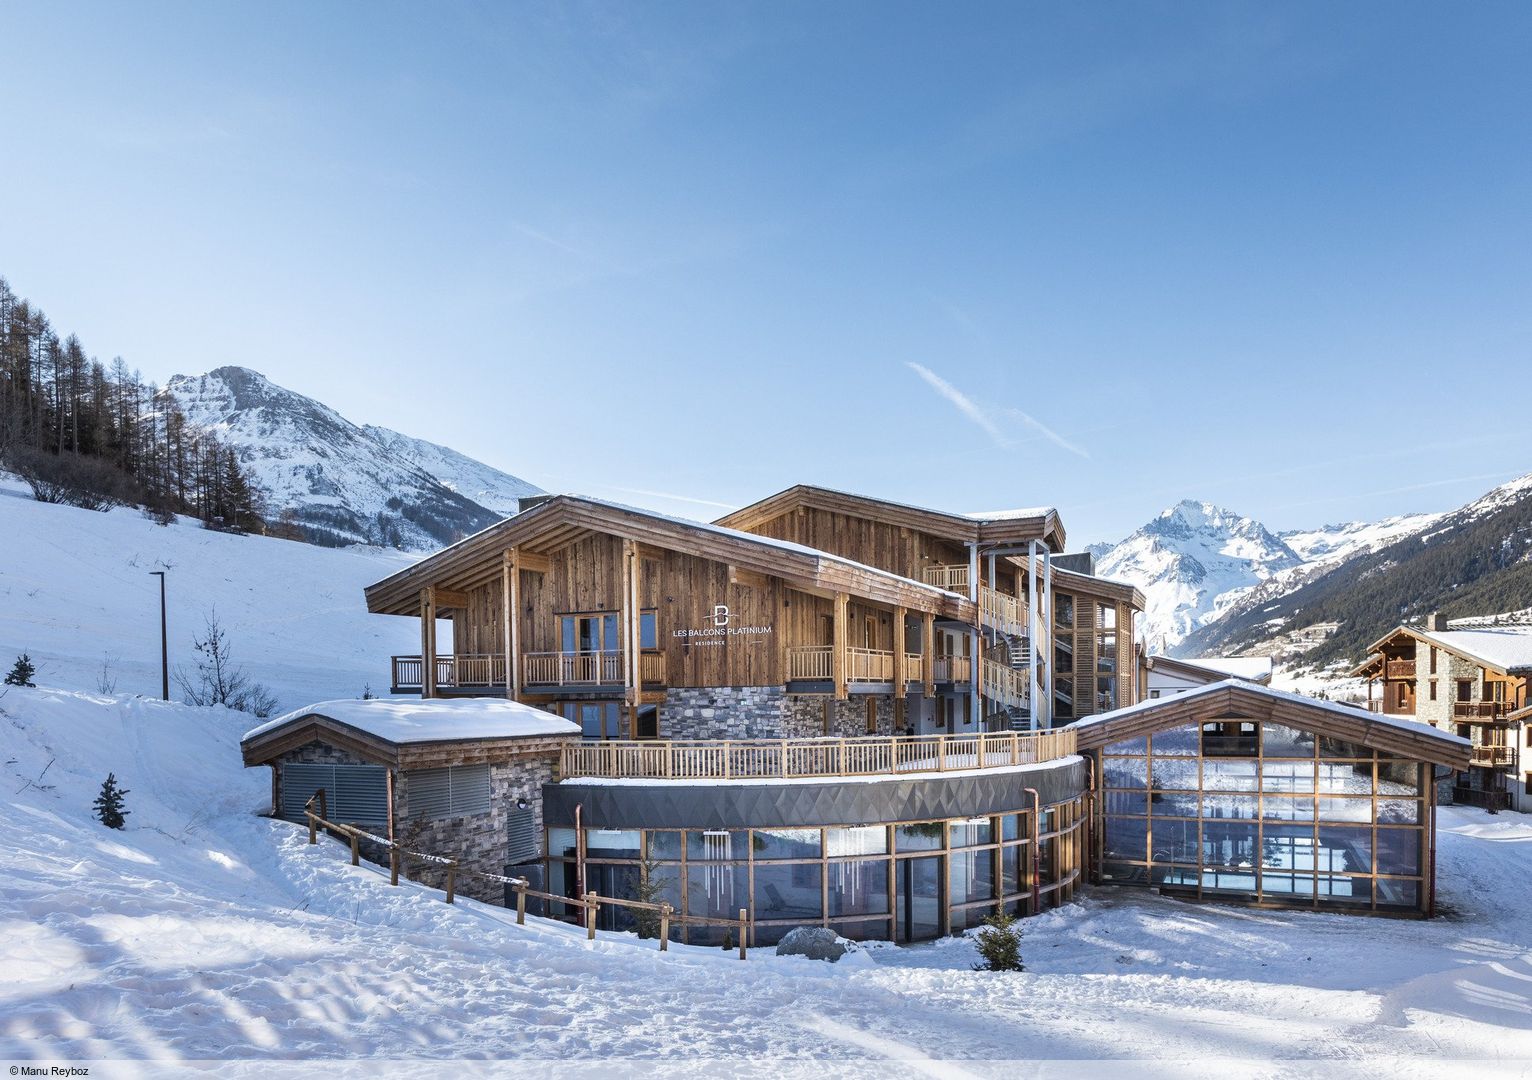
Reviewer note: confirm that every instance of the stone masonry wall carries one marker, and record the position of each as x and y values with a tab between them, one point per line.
477	841
723	712
805	717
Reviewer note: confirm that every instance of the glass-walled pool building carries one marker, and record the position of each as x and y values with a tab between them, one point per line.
1242	794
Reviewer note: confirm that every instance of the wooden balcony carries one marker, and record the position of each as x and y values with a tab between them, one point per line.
1005	685
796	758
817	663
453	671
469	671
1492	755
572	668
953	578
1399	669
1001	612
954	669
1480	710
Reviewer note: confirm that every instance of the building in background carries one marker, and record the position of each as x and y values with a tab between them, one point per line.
1167	675
1471	681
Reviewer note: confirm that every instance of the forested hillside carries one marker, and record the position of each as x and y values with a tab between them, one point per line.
96	435
1476	561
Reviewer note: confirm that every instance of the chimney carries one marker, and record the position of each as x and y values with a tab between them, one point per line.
1436	621
527	502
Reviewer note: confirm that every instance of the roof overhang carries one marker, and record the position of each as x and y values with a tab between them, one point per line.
1236	699
270	744
566	519
1010	528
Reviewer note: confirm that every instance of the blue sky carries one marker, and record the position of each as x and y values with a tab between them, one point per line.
973	256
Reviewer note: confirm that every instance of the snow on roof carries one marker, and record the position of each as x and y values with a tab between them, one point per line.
1350	712
1505	647
415	720
1240	667
1011	515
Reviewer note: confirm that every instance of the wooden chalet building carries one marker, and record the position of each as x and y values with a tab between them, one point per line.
1471	681
810	613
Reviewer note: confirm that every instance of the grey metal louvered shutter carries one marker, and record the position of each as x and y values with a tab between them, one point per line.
429	792
297	785
520	836
470	790
361	795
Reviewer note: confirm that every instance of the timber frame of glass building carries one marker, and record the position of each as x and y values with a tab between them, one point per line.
1242	794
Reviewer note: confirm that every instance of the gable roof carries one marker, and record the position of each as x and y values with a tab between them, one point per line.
1235	698
999	527
404	732
1090	584
1256	669
565	519
1505	650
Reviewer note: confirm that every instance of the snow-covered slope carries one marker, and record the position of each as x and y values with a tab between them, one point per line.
1336	543
203	932
1188	560
346	483
75	593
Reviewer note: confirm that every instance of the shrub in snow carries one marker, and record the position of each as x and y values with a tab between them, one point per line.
22	672
999	944
650	889
217	680
108	804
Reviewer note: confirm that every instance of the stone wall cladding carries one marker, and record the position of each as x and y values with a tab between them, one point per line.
477	841
724	712
848	719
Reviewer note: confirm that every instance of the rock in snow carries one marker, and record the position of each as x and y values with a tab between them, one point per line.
814	942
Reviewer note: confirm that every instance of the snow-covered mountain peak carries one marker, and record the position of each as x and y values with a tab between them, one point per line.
344	482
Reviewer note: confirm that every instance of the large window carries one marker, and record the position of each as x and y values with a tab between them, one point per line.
1239	809
905	882
588	633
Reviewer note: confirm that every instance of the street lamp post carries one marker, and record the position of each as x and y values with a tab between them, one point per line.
164	643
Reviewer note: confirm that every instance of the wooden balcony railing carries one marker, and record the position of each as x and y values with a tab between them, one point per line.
453	669
953	578
1491	755
869	665
954	669
862	665
1479	710
811	662
1005	685
912	667
572	668
1005	613
1399	669
651	668
795	758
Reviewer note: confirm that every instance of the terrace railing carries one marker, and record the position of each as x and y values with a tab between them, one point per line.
452	669
1005	685
572	668
817	662
1479	710
805	758
1399	669
1491	755
1002	612
953	578
956	669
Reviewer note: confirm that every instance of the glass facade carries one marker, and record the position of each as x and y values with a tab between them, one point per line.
909	881
1236	809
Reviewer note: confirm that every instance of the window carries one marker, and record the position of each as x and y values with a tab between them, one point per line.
648	630
1465	689
454	791
1433	662
1433	681
1153	694
589	633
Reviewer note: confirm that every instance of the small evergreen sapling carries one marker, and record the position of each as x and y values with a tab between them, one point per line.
22	672
999	944
108	804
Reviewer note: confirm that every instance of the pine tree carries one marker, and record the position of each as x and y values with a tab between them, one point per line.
108	804
22	672
999	944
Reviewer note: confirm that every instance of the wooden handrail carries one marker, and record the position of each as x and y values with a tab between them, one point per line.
952	577
799	758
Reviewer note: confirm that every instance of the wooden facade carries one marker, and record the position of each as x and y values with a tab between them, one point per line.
816	592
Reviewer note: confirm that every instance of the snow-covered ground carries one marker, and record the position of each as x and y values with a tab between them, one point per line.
76	594
204	931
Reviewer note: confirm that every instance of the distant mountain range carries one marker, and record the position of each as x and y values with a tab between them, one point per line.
1218	582
344	483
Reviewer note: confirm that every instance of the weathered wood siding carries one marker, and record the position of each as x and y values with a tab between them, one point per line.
893	548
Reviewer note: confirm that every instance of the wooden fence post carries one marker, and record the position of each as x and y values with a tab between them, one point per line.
313	827
590	916
393	865
521	904
743	930
451	880
356	849
665	927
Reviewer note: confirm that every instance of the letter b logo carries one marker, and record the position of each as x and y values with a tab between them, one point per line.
720	614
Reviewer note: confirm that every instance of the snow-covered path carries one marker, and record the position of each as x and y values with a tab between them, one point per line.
204	931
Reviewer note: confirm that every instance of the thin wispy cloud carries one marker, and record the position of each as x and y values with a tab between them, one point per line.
672	497
985	419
